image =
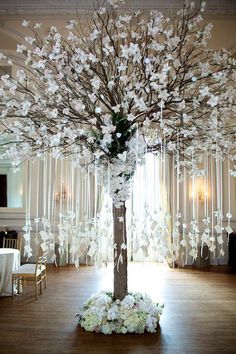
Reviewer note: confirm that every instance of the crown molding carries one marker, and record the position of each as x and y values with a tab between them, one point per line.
13	9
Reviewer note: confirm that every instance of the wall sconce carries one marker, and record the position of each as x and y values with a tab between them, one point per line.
199	190
62	194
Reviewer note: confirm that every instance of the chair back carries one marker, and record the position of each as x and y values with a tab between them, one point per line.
41	259
11	243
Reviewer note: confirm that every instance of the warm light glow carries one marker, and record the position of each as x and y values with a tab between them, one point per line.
198	189
62	195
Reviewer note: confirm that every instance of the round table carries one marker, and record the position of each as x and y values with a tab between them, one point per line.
9	261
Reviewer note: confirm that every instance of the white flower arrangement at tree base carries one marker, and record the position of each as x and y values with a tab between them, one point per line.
136	313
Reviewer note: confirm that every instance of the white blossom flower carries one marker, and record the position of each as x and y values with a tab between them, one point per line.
213	100
20	48
37	25
25	108
116	108
163	95
204	91
79	106
53	86
130	117
115	3
25	23
95	82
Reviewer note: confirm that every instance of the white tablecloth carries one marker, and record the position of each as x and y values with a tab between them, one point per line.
9	261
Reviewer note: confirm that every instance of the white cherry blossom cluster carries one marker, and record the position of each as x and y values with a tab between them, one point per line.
80	94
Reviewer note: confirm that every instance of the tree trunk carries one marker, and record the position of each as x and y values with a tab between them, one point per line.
120	253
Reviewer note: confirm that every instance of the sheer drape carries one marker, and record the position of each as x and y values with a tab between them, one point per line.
148	208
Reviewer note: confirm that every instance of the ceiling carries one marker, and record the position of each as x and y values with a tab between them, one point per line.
15	8
222	13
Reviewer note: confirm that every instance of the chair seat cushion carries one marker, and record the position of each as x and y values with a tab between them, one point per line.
28	269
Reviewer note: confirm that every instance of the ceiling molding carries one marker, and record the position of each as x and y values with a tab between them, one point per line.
11	9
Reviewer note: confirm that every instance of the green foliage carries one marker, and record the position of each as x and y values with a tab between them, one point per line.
124	131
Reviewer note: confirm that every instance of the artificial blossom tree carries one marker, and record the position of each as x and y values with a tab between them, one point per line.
111	89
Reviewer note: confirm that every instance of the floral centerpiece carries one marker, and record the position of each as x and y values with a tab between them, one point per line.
136	313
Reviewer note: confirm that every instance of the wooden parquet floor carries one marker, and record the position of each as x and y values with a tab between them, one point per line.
199	315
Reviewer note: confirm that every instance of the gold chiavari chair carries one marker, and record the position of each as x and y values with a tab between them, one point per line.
11	243
35	272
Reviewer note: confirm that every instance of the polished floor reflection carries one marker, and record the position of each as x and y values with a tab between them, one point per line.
199	315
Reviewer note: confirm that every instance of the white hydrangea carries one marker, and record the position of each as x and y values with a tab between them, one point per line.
136	313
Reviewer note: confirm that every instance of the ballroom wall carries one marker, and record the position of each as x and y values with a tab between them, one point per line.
42	188
221	14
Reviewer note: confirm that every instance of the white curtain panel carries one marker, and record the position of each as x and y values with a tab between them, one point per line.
146	211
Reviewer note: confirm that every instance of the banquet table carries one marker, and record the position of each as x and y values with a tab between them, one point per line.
9	261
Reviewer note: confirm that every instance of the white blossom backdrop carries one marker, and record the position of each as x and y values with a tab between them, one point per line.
77	99
68	199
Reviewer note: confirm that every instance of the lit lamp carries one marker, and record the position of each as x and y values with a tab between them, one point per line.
62	195
198	190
